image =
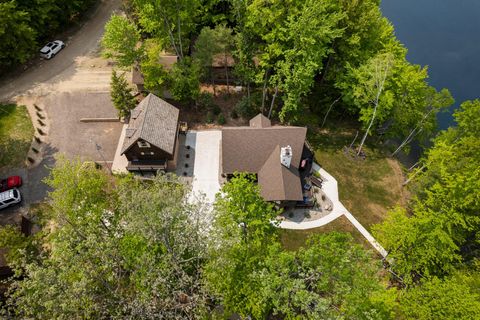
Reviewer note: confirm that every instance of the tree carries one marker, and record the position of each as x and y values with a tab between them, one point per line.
121	41
296	36
455	297
241	235
171	22
441	227
114	248
251	275
185	80
17	37
205	50
331	277
156	78
121	94
370	87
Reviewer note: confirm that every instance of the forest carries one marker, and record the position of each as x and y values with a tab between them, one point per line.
116	247
26	24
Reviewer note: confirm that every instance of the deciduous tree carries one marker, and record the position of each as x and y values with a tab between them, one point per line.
121	41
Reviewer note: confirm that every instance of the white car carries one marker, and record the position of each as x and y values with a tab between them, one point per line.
9	197
51	49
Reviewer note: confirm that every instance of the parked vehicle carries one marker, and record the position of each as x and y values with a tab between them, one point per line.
9	198
51	49
10	183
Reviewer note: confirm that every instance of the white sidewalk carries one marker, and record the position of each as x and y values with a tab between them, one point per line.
120	162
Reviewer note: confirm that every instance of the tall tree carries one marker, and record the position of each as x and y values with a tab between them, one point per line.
17	37
241	236
441	229
121	41
455	297
113	249
332	277
121	94
170	21
295	38
369	91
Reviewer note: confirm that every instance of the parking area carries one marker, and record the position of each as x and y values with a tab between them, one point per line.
65	134
94	141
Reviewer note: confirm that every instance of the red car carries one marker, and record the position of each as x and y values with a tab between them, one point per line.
10	182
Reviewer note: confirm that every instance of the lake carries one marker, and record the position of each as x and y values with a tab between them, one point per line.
445	36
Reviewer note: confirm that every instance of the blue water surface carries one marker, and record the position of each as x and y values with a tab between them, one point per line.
445	36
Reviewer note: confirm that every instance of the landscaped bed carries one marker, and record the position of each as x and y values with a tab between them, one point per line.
16	133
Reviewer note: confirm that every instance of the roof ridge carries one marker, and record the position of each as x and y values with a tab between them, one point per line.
146	108
277	147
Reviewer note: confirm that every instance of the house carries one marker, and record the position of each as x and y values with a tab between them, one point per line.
151	137
272	153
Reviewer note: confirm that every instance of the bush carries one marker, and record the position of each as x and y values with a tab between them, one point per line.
216	110
205	100
234	114
221	119
248	108
209	117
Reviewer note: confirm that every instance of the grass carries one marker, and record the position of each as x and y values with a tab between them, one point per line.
16	133
295	239
368	188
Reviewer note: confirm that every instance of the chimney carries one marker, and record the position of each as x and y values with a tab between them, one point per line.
286	156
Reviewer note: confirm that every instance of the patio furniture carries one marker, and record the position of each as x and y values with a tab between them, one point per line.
183	127
316	181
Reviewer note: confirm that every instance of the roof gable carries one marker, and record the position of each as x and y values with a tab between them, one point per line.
260	121
155	121
277	182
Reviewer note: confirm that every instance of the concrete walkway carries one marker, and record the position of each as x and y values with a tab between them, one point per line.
120	162
330	187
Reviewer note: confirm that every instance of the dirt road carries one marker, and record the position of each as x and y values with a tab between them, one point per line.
85	41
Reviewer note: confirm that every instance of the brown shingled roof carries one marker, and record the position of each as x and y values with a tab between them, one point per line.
260	121
257	150
277	182
155	121
245	149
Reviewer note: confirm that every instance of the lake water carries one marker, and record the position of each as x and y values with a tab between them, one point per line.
445	35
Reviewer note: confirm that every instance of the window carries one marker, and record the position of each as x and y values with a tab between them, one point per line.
143	144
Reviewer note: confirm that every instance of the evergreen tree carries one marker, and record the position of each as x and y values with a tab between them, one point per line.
121	94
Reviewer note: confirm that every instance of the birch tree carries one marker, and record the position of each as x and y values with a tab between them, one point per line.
372	78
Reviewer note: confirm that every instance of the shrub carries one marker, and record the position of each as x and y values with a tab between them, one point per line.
221	119
247	108
205	100
209	117
216	110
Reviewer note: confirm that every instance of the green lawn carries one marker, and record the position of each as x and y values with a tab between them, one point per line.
16	133
368	188
294	239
